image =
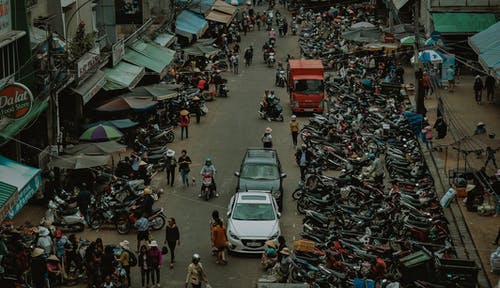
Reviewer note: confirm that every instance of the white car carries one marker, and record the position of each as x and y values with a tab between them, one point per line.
253	218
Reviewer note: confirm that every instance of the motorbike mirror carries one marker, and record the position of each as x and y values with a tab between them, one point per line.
236	173
283	175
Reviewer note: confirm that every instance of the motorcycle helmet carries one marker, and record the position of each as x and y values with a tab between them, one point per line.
196	258
293	117
147	191
480	124
371	156
208	161
43	232
170	153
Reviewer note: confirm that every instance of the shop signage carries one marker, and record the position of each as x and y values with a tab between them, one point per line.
88	62
8	205
16	101
5	16
118	51
86	98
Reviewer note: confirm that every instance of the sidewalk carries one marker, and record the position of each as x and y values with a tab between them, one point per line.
464	113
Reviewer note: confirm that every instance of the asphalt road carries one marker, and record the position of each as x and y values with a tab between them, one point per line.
231	126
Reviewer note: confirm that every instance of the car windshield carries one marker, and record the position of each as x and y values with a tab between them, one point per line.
309	86
260	172
253	212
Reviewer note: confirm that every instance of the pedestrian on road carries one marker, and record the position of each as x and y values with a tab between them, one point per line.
496	194
170	165
480	128
450	74
426	81
267	138
172	238
39	268
195	273
489	85
142	226
303	157
441	127
184	120
124	259
145	265
478	89
108	262
219	241
197	108
490	156
83	200
184	162
44	241
294	130
156	260
234	62
212	223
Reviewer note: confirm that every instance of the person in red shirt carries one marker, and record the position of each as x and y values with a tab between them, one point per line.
201	84
184	121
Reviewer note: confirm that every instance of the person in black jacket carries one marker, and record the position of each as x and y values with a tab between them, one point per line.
144	261
172	238
478	89
489	85
148	201
83	201
39	268
303	157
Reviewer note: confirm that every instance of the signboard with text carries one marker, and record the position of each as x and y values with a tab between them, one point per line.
128	12
16	101
5	17
118	51
88	62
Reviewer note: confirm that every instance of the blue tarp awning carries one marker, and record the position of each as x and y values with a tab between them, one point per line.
197	6
188	24
487	45
27	180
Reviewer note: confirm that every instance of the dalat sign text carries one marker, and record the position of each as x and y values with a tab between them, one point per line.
16	101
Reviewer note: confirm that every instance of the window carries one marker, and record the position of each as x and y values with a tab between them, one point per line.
253	212
9	59
260	172
309	86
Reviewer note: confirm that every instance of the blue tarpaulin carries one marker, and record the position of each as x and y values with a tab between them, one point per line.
487	45
188	24
27	180
197	6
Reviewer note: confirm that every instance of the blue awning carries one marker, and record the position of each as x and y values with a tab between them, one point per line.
487	45
197	6
188	24
27	180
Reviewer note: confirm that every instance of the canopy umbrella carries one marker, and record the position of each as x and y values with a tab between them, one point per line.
97	147
79	161
118	123
361	25
121	104
428	56
101	133
408	40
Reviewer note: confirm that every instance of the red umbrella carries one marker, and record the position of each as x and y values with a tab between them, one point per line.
121	103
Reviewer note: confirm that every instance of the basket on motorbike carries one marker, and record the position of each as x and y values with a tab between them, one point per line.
303	245
417	266
457	271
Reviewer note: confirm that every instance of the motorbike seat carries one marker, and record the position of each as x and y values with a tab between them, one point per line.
154	211
69	211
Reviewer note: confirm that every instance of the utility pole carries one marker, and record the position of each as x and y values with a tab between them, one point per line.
54	99
419	90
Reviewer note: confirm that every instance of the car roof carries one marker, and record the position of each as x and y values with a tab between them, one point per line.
253	197
259	155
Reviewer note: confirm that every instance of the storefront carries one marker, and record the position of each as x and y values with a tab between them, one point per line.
27	180
123	76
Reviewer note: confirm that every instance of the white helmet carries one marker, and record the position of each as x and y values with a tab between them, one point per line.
170	153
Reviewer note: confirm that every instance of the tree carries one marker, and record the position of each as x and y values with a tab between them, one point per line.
81	43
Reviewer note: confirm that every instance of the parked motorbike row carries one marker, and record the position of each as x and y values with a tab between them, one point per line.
361	228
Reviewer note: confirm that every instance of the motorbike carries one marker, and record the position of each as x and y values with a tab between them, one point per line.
275	112
281	79
207	186
70	218
160	137
271	59
157	220
223	90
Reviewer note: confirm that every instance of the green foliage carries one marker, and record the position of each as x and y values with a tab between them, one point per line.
81	43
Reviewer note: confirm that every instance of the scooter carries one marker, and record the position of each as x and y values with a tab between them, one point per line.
223	90
70	218
281	81
207	187
157	220
271	60
275	113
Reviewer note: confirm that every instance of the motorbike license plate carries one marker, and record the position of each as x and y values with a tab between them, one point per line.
253	244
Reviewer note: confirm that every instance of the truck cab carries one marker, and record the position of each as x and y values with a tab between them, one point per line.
306	85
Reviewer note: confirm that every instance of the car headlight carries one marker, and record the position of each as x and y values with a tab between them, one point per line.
275	235
233	235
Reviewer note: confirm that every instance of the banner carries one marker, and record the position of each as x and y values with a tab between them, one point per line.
128	12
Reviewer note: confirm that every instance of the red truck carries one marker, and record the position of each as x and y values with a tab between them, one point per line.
306	85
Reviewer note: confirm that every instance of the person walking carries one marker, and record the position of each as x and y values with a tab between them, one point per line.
170	165
294	130
489	85
235	62
450	75
197	108
184	162
124	259
172	238
39	274
156	260
184	121
195	273
142	226
426	82
490	156
83	201
303	157
219	241
267	138
144	262
478	89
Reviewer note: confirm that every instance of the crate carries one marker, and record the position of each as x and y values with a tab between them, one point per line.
417	266
458	270
461	191
304	245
